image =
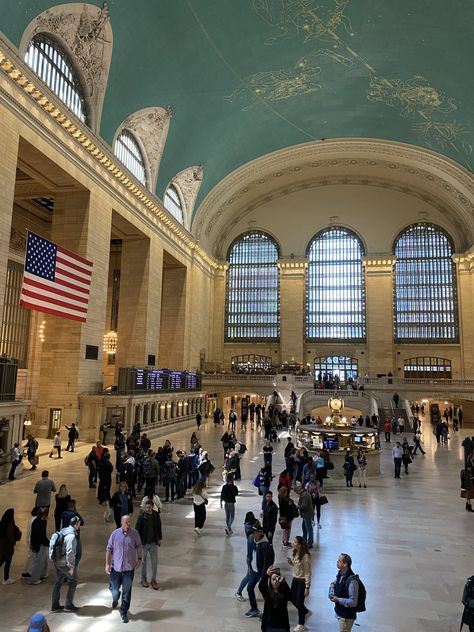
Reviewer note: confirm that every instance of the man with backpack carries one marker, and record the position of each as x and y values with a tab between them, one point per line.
63	554
151	471
72	436
347	593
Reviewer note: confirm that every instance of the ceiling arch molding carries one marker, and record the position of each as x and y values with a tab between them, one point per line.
406	168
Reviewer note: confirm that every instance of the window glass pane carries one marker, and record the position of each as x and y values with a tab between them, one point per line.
253	289
427	367
50	63
128	152
334	370
173	204
335	287
425	304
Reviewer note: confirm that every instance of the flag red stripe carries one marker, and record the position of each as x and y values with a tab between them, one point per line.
55	312
84	291
66	272
73	266
53	290
53	301
73	255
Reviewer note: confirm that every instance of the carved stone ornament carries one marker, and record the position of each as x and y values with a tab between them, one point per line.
85	32
150	127
17	241
188	182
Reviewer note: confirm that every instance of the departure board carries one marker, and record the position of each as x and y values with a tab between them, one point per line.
177	380
157	380
138	380
191	381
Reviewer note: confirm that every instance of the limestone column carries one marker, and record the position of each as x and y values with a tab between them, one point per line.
9	140
216	350
379	310
81	222
292	309
138	326
465	284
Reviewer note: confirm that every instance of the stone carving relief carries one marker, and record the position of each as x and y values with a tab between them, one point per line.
85	32
17	241
150	127
188	182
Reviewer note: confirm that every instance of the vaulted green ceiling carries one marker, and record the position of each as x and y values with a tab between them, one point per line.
247	77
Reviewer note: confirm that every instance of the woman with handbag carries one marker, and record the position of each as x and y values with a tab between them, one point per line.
200	500
121	503
314	488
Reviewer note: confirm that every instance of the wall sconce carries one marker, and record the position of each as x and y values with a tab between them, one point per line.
110	342
41	330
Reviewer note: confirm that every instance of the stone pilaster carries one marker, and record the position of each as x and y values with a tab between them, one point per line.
292	309
216	354
379	301
465	284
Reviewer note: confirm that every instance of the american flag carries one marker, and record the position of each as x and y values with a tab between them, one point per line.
56	280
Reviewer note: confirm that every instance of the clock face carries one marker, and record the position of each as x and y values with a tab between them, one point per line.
336	404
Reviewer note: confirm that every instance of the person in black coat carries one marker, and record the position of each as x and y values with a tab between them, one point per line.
121	503
276	594
269	515
105	470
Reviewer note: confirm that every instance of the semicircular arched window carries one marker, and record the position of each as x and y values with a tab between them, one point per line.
335	287
173	203
52	65
425	303
128	152
253	289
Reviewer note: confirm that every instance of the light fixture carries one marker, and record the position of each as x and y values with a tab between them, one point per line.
110	342
41	329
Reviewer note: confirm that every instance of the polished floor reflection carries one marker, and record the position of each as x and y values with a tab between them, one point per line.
411	542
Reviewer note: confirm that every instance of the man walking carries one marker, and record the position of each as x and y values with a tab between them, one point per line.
397	454
264	558
269	515
31	449
418	442
345	593
387	429
65	558
149	530
123	554
43	489
229	492
15	458
56	445
92	463
306	509
72	435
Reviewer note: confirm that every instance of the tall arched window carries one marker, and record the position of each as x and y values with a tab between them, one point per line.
128	152
425	302
173	203
52	66
335	288
253	289
328	367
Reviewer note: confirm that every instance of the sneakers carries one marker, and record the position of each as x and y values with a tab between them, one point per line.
319	525
38	581
125	618
25	575
198	530
227	531
155	585
57	609
144	583
252	613
71	608
231	532
7	582
300	628
240	597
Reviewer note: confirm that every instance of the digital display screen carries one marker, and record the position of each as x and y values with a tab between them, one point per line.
191	380
157	380
177	380
138	380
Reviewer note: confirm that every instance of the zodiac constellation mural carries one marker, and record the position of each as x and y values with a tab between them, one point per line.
324	26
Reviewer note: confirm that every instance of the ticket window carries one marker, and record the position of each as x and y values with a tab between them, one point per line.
345	442
54	421
365	441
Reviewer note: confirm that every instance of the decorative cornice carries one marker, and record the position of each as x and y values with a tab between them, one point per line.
188	182
379	261
19	74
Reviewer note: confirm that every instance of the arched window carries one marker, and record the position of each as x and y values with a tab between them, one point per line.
424	286
335	288
427	368
253	289
173	203
328	368
128	152
52	66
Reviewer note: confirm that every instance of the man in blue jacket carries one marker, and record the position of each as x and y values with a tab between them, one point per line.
264	558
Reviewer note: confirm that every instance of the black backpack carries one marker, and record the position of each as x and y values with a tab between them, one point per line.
147	467
360	606
56	544
468	602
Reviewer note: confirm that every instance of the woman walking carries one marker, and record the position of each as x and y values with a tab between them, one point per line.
62	501
10	534
301	583
39	547
314	488
104	470
362	466
249	521
121	503
288	510
200	500
406	456
276	594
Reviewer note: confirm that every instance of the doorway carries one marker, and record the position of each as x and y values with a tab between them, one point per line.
54	421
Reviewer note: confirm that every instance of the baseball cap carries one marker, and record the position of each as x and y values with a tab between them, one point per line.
257	526
37	622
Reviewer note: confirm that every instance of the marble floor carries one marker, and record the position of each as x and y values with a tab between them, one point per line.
411	542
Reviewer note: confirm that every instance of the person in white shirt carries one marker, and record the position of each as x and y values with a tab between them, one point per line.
397	454
15	461
200	500
56	445
157	505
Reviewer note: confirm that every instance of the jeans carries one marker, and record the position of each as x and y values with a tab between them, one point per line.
122	579
170	483
361	472
243	583
308	531
298	588
7	560
152	551
62	576
229	514
11	475
39	564
92	475
418	445
387	436
253	579
398	467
